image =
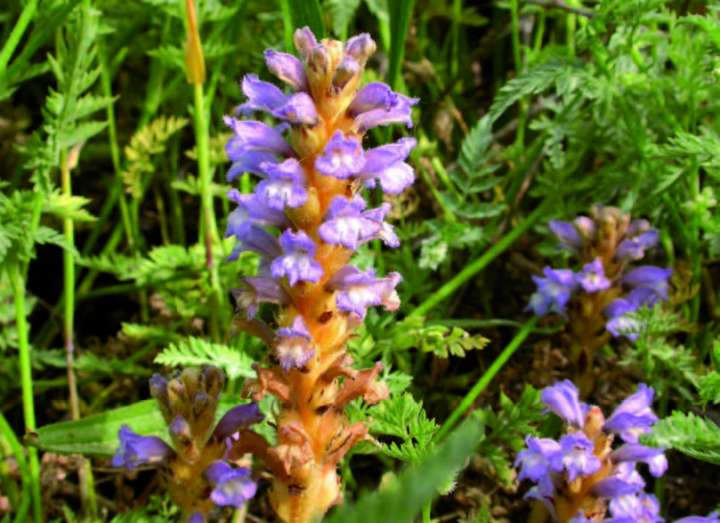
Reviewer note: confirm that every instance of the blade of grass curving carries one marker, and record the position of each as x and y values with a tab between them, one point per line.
403	499
7	433
26	16
400	14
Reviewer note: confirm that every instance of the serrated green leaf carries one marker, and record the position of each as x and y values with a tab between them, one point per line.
195	352
692	435
68	206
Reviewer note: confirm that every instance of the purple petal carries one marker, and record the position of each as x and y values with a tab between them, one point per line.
633	416
562	398
360	290
294	347
259	289
360	47
251	135
237	418
197	517
634	248
633	508
399	112
576	457
284	185
650	277
534	462
375	95
254	210
136	450
262	96
623	480
341	158
635	452
592	278
296	263
287	68
233	487
553	291
710	518
567	234
386	164
305	41
250	162
346	224
299	109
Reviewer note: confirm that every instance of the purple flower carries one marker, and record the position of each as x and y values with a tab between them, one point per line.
347	224
197	517
236	419
623	480
376	104
534	462
710	518
251	135
580	518
567	234
342	157
562	398
635	452
540	493
257	290
297	262
284	185
592	278
576	456
252	210
287	68
553	291
305	41
633	416
136	450
180	432
250	162
359	290
262	96
386	164
253	238
298	109
633	508
624	326
233	487
295	345
649	277
634	248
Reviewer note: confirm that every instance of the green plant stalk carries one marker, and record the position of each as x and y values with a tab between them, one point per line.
479	264
9	444
287	24
87	491
485	379
208	225
26	381
455	37
517	58
28	13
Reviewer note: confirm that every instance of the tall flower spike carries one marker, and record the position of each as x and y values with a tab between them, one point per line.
306	218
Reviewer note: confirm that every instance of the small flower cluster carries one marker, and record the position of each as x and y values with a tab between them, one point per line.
305	219
581	476
607	243
196	468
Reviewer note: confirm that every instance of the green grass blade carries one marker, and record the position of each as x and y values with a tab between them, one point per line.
301	13
400	14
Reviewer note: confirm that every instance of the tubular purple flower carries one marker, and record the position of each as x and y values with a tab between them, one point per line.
252	210
296	263
623	480
360	290
399	112
299	109
634	248
346	224
635	452
633	416
295	346
250	162
386	164
233	486
287	68
262	96
553	291
633	508
305	41
624	326
580	518
360	47
576	456
251	135
253	238
257	290
180	431
534	462
567	234
563	399
136	450
197	517
592	278
284	185
649	277
236	419
375	95
342	157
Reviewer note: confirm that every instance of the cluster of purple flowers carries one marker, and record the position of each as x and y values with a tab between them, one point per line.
199	476
306	204
581	476
607	243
